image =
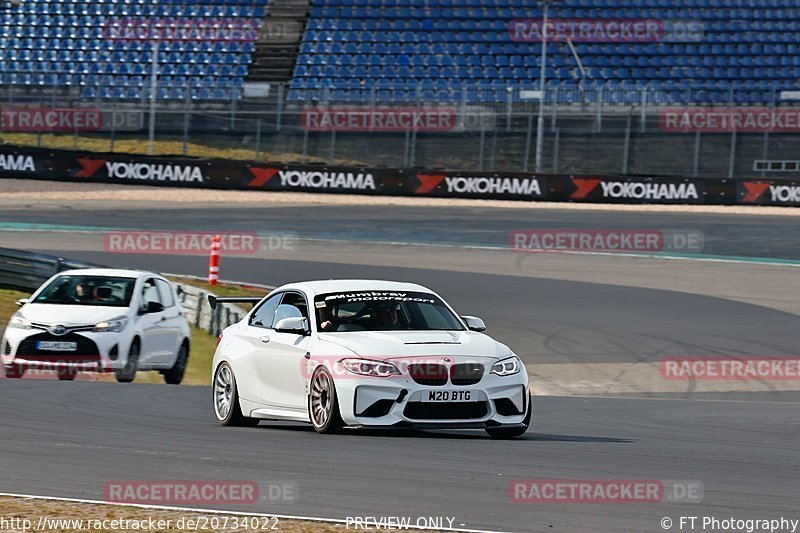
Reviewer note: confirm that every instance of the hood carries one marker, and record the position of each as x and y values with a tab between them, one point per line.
395	344
70	315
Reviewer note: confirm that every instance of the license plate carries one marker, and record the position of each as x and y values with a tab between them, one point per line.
447	396
56	346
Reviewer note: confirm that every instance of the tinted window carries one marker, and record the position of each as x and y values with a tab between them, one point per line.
265	314
384	311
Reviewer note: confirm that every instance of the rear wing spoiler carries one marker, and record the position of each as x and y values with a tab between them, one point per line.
214	301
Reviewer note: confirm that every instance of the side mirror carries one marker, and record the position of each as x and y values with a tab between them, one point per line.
22	301
474	323
152	307
296	325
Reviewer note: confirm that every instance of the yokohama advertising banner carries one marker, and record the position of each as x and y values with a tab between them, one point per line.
76	166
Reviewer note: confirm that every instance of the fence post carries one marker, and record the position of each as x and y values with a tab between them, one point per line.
696	162
732	160
305	147
332	154
200	297
258	138
765	153
492	165
113	125
626	150
643	126
482	147
556	150
598	122
187	113
278	118
528	140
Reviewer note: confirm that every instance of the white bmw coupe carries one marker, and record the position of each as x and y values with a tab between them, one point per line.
360	353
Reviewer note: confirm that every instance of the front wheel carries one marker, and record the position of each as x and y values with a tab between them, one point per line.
14	371
323	403
174	375
67	374
510	433
226	399
128	374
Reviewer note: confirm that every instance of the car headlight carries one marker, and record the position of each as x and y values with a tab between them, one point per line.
18	321
507	367
115	325
366	367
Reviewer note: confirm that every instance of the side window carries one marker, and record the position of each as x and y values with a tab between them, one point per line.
297	301
265	314
165	291
150	293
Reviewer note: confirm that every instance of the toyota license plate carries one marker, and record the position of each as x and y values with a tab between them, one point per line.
447	396
56	346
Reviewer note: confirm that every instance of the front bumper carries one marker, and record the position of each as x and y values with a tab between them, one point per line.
399	402
94	352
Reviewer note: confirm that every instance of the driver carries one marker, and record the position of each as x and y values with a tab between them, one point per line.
82	291
387	316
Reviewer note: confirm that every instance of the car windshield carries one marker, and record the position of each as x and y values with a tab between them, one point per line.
88	290
383	311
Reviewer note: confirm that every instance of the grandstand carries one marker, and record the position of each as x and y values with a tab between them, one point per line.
384	51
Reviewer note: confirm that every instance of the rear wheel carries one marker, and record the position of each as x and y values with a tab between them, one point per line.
128	374
510	433
226	399
174	375
323	403
14	371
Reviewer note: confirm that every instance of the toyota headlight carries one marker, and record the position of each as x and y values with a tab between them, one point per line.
507	367
366	367
18	321
115	325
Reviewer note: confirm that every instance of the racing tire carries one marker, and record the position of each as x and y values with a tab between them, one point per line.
226	399
14	371
174	375
128	374
323	403
502	433
68	375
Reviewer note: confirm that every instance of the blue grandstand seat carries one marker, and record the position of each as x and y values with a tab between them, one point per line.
66	43
467	41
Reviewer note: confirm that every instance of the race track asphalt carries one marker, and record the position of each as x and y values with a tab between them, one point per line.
70	439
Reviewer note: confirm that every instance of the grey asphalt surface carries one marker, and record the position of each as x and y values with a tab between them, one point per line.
731	235
69	439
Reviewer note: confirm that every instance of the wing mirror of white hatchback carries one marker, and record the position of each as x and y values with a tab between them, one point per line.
22	301
296	325
474	323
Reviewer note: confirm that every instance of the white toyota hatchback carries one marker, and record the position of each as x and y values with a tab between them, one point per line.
99	320
362	353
